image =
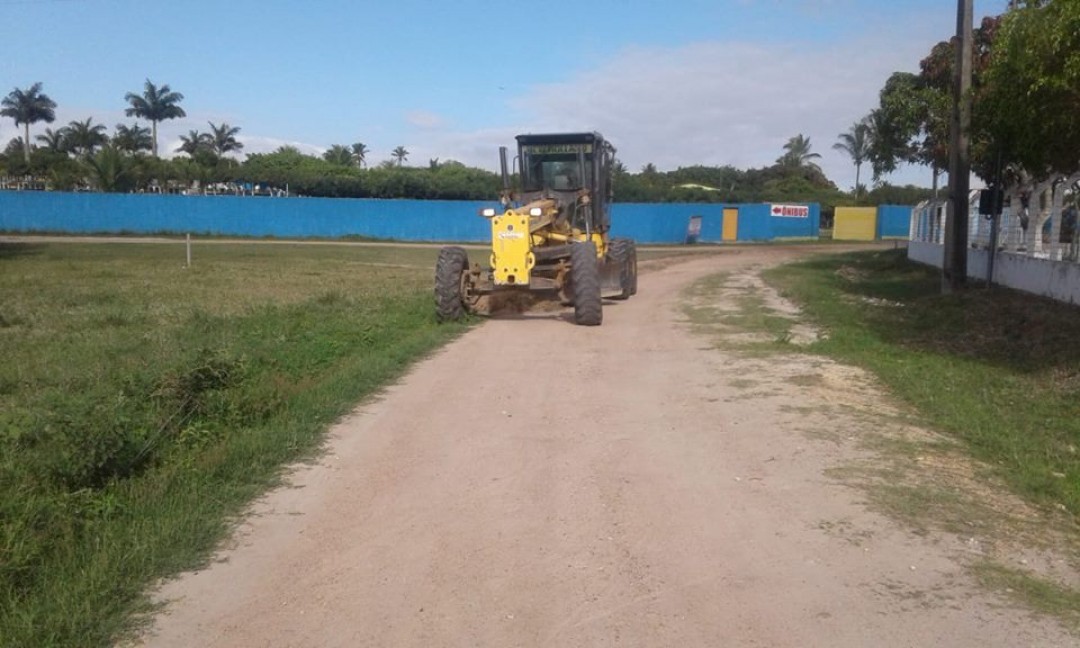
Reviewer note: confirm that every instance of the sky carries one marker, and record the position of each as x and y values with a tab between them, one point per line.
673	83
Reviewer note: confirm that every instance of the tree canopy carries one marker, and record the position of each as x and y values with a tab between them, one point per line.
1031	102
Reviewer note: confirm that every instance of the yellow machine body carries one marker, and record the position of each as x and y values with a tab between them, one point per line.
517	233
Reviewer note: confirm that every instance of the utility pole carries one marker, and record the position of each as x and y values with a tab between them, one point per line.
954	273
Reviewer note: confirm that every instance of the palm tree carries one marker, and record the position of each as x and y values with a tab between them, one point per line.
223	138
857	144
110	169
798	153
132	139
400	155
649	169
156	104
195	142
28	107
54	140
359	153
338	154
83	138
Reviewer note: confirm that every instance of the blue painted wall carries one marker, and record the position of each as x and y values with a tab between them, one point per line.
656	222
411	220
414	220
893	221
666	222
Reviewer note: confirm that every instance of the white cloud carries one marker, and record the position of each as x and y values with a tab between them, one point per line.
424	119
262	144
720	103
479	148
708	103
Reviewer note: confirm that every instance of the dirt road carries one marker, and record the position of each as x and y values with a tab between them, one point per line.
541	484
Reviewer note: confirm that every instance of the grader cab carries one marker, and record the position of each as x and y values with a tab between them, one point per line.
551	236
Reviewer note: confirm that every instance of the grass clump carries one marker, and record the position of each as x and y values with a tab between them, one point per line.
144	405
1036	593
998	369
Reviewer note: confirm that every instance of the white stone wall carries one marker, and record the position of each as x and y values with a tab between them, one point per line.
1059	280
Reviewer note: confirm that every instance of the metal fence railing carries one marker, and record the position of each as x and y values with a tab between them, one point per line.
1039	221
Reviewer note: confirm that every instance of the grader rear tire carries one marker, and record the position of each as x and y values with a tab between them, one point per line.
450	271
585	278
623	253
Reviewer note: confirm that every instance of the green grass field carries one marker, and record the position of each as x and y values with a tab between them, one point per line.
999	370
143	405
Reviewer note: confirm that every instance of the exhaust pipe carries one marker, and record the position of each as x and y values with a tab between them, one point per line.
504	198
502	169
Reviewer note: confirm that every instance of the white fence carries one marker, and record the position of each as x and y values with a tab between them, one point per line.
1038	245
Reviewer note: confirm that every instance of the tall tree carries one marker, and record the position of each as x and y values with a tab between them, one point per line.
797	153
28	107
911	123
155	104
400	155
132	139
338	154
195	142
223	138
85	137
856	143
359	153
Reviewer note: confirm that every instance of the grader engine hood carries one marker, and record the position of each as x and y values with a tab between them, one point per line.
512	258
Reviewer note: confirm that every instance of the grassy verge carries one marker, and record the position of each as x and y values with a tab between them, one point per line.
997	369
143	405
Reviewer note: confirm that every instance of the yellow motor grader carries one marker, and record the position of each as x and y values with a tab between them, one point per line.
552	235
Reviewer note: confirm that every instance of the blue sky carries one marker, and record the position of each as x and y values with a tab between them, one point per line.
674	83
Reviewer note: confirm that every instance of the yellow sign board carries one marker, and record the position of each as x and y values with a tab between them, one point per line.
554	149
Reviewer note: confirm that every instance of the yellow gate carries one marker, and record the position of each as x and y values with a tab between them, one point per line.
855	224
731	225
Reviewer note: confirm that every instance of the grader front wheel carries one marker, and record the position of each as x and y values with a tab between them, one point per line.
450	275
585	281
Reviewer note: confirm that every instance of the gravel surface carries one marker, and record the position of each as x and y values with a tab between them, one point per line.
536	483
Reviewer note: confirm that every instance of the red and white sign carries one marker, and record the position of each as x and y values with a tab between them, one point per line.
790	211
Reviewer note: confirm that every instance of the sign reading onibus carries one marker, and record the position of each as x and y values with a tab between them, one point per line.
790	211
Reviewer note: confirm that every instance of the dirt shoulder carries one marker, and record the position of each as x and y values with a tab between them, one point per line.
639	483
